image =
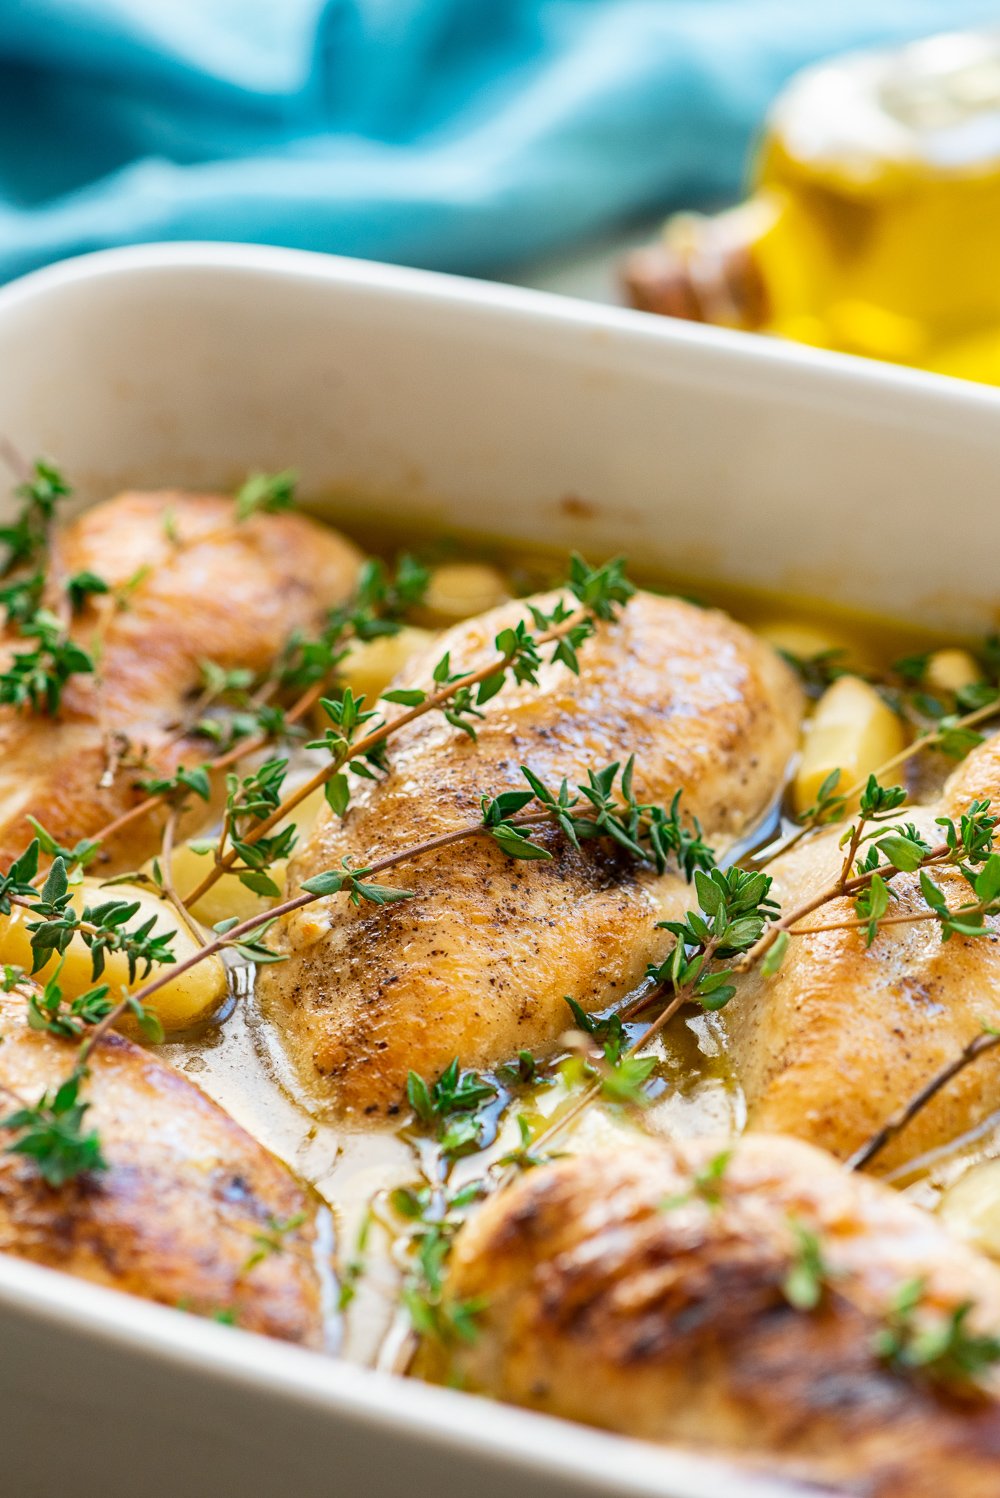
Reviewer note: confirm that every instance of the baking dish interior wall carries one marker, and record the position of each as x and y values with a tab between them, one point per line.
705	455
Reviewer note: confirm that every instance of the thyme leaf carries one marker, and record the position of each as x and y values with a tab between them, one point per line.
53	1134
266	494
943	1348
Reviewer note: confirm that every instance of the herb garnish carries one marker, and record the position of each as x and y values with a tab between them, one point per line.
942	1348
51	1132
266	494
809	1273
455	1105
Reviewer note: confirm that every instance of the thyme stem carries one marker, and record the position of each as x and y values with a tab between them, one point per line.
884	920
926	741
680	998
371	741
232	756
832	891
195	927
978	1046
264	918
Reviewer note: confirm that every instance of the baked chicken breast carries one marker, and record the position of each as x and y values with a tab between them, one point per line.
477	964
843	1035
648	1291
191	1212
197	584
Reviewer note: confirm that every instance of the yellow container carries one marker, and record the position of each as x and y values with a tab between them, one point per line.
873	225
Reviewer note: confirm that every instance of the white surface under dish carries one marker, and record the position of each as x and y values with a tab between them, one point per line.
455	404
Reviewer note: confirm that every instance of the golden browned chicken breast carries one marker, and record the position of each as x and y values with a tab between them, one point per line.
977	778
843	1035
651	1291
191	1212
212	588
478	963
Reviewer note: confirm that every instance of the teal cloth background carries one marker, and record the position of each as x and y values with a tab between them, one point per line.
466	135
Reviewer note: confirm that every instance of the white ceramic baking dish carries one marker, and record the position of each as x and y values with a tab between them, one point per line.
495	410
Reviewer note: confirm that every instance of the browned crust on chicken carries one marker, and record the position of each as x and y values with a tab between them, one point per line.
225	590
477	964
844	1034
618	1294
176	1217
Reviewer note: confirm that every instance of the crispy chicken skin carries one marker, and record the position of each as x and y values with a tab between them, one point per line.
174	1218
229	591
843	1035
478	963
617	1294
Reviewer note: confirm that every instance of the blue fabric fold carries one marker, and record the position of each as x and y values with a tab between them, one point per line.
464	135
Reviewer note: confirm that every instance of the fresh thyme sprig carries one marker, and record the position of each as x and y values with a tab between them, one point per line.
966	843
225	711
80	856
599	809
52	1133
735	907
967	919
809	1273
829	806
599	592
176	789
434	1215
819	671
103	928
271	1241
383	598
381	602
308	665
72	1019
968	846
525	1156
941	1348
455	1106
250	800
27	538
615	1075
21	599
707	1185
878	802
84	585
941	715
49	1011
36	676
951	734
266	494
